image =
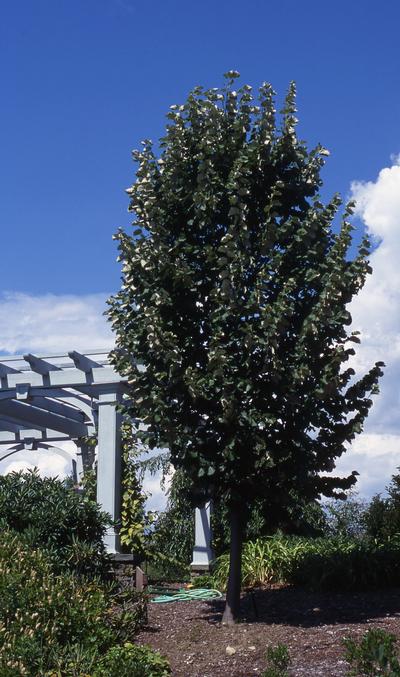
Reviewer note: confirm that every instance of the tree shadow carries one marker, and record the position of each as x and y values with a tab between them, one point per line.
303	608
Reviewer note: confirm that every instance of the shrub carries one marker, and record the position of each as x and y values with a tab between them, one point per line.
382	517
49	514
374	654
160	569
53	625
129	613
132	661
42	614
335	564
320	563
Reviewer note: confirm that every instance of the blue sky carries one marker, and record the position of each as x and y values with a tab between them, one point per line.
83	81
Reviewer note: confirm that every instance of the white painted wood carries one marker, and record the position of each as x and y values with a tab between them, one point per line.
27	413
109	461
23	433
202	553
82	362
39	365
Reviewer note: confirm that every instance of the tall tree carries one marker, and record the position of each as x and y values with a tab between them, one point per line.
234	298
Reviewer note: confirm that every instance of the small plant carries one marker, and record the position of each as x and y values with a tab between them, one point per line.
372	656
278	661
203	581
132	661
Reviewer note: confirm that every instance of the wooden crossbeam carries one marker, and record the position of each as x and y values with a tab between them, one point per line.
63	378
6	369
83	362
29	414
39	365
8	437
57	407
9	425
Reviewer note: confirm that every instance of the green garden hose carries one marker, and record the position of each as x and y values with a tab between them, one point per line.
184	595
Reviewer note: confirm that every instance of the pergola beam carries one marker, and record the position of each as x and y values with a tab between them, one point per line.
8	425
47	435
63	378
83	362
39	365
72	398
27	413
56	408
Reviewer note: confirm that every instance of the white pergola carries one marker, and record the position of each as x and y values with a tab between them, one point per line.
74	396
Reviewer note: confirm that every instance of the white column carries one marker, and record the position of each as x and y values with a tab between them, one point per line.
202	553
109	462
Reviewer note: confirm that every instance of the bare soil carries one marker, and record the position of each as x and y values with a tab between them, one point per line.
312	625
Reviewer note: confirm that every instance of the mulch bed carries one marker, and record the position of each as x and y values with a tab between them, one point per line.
312	625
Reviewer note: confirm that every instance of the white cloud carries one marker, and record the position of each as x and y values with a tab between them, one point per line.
376	313
152	485
53	324
48	463
376	458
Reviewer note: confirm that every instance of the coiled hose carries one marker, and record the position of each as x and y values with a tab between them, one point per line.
183	595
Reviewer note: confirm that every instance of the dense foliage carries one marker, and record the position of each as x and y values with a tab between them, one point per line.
61	624
234	299
130	660
134	518
172	534
319	563
50	514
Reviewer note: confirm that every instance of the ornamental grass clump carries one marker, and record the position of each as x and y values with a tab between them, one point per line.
264	561
318	563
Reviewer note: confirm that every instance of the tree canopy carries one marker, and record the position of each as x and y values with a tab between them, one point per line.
234	297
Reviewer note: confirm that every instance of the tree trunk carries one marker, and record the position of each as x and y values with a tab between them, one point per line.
232	606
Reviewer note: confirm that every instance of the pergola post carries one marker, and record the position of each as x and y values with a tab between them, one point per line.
202	553
109	461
